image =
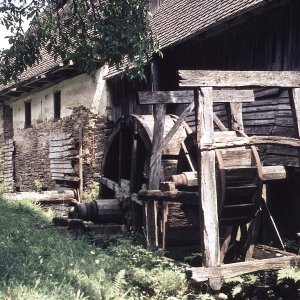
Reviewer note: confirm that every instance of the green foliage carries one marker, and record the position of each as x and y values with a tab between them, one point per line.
92	192
86	32
284	284
45	264
38	186
289	273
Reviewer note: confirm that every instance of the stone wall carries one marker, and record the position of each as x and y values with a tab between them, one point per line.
32	148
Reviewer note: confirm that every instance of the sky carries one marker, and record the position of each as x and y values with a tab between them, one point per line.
3	42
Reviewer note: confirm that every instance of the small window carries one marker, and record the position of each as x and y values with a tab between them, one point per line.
27	114
57	105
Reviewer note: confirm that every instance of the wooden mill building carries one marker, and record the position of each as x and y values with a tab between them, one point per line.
231	35
55	123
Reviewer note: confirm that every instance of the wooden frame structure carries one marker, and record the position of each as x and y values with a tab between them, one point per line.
202	96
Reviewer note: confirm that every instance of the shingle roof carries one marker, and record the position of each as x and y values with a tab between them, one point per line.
178	20
174	22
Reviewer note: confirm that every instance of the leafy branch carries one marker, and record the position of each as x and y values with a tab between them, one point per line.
88	32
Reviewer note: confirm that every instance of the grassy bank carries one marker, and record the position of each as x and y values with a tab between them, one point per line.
41	264
44	264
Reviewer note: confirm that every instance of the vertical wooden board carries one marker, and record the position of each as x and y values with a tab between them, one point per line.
154	175
236	116
294	96
80	164
207	179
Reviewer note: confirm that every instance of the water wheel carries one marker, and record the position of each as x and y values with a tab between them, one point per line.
239	178
239	188
127	155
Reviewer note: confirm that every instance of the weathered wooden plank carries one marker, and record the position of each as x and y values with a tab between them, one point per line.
253	140
295	105
157	153
154	174
57	155
237	269
165	97
169	196
236	113
207	179
271	173
115	186
62	170
60	165
54	149
62	143
66	178
219	123
226	242
266	93
46	196
197	78
80	163
60	136
252	236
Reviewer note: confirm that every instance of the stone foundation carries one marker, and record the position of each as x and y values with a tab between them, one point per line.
32	145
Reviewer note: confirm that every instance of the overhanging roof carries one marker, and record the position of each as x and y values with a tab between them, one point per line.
179	20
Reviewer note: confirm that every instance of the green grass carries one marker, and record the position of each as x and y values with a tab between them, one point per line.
45	264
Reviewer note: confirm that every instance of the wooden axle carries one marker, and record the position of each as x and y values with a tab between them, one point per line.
270	173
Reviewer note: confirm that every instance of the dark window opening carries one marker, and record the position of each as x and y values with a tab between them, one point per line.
27	114
57	105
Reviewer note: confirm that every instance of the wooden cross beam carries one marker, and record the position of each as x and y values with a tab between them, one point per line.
196	78
187	96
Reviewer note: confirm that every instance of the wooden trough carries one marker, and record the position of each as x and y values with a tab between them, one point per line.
199	189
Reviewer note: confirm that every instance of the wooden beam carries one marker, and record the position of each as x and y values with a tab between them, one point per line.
154	174
294	96
115	186
197	78
252	141
157	153
80	163
208	205
187	96
241	268
236	113
219	123
169	196
162	97
271	173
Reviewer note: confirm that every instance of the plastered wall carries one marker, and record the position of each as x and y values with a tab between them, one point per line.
83	90
83	109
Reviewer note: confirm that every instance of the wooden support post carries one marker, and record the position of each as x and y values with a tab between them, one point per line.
207	179
154	175
236	120
134	210
295	105
226	242
80	171
252	236
120	156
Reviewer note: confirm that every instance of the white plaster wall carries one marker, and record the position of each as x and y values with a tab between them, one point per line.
87	90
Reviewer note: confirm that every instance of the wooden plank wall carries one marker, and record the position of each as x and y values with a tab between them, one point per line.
63	156
265	40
